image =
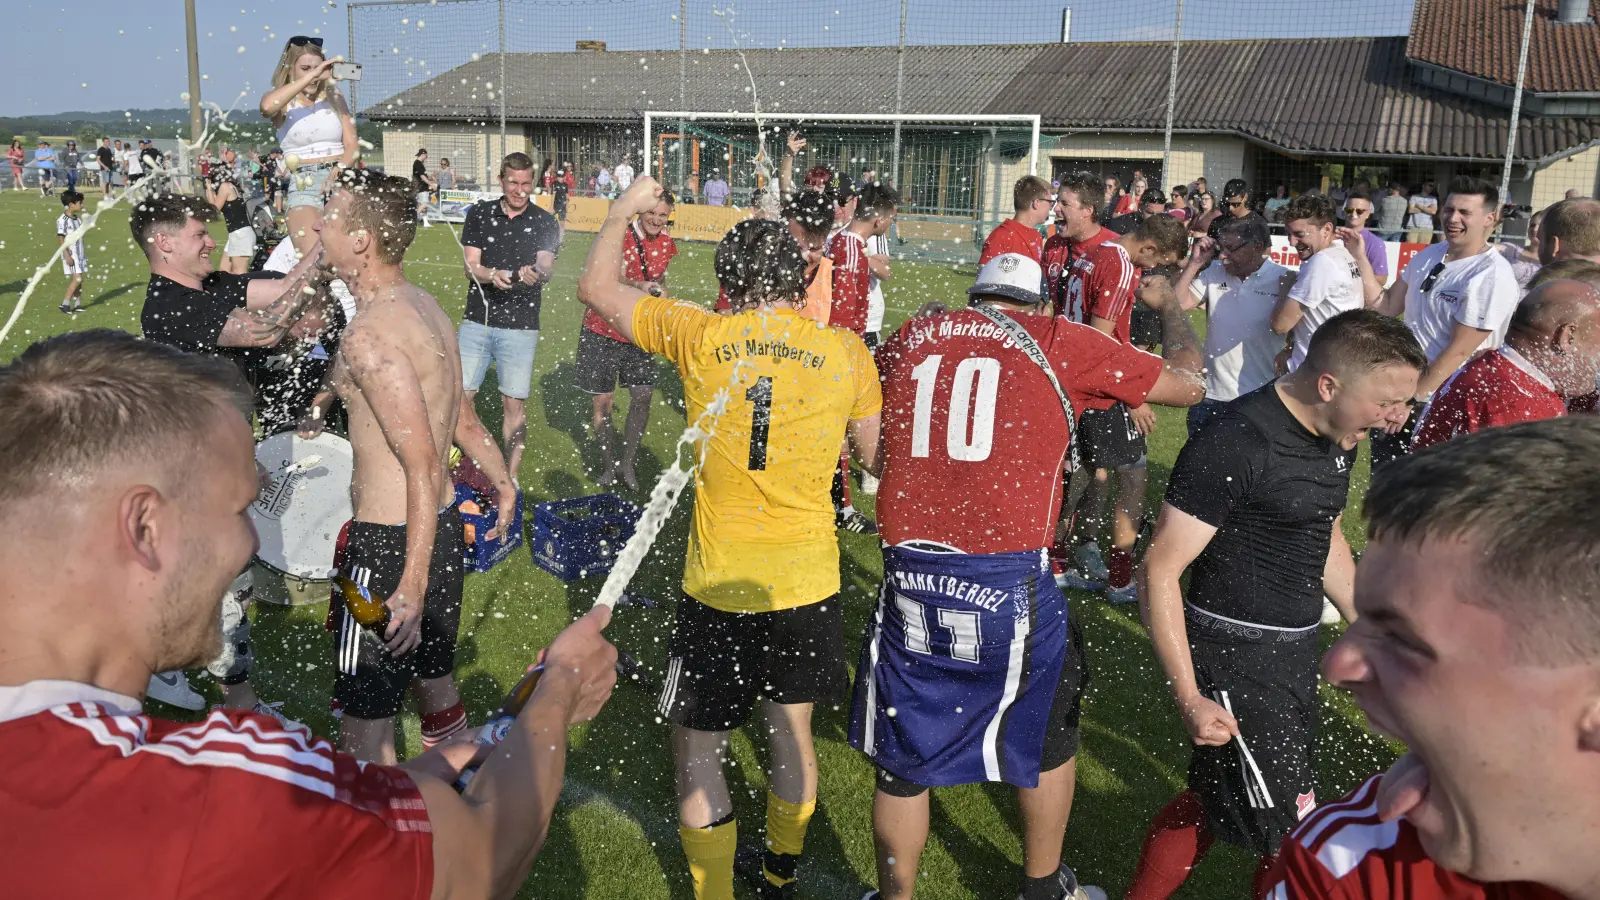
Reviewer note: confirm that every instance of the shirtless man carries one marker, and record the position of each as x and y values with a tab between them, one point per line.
398	371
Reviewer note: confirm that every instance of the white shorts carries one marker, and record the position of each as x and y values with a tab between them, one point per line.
241	243
76	267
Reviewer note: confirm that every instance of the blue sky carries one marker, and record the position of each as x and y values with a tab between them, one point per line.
115	54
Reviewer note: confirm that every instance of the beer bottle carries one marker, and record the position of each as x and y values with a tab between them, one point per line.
368	612
499	725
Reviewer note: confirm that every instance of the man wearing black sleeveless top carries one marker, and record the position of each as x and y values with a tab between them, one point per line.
1253	511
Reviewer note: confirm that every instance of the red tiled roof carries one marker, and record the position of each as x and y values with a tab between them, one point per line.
1483	38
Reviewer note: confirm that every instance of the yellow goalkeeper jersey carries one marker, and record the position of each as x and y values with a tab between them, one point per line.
763	536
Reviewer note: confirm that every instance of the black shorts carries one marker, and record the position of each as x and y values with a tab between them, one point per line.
1108	439
720	662
1256	791
1061	737
605	363
370	683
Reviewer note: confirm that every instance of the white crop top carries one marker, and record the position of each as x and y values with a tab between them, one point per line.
311	132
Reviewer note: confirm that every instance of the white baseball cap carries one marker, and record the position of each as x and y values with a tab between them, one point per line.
1011	275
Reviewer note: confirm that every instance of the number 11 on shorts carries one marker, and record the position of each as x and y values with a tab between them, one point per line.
965	631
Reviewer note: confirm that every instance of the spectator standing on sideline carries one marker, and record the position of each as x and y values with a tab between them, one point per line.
44	160
445	178
1329	281
1253	511
149	157
1392	207
1358	214
1235	205
563	192
1457	297
223	193
1151	203
604	186
108	165
1279	199
623	174
153	511
716	190
1031	200
70	160
1238	297
73	262
1118	202
1551	356
1205	212
17	159
422	183
1477	647
547	177
1422	207
1179	204
509	245
1570	229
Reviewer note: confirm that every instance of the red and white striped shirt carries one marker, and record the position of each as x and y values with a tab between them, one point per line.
99	800
852	281
1101	284
1343	851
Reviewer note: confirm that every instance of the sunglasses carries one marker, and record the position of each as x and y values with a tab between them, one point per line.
1433	277
301	40
1236	204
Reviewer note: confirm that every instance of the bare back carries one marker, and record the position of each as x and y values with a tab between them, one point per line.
399	374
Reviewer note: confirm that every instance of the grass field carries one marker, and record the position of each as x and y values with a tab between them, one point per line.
615	832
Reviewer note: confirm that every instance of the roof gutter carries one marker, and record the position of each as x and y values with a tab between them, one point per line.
1287	151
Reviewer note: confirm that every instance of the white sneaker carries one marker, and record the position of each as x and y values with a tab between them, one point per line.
172	688
1121	595
869	483
1073	580
1330	613
1091	562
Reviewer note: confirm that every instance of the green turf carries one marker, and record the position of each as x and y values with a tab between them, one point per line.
615	835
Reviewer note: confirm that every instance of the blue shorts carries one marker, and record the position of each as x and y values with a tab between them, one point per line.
510	349
306	184
959	674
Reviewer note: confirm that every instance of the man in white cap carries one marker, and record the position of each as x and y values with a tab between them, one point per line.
970	673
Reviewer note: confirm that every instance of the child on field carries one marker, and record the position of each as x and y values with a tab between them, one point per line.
73	262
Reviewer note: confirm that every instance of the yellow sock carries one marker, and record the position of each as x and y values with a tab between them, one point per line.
710	852
786	836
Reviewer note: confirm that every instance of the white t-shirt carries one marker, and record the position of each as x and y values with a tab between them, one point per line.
1422	220
1329	283
1240	343
1479	291
624	175
132	164
877	245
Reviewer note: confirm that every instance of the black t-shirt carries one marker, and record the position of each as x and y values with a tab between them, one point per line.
150	158
1215	231
1272	489
192	320
418	170
507	243
104	155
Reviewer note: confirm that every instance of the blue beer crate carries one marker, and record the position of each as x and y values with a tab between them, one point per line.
576	538
480	555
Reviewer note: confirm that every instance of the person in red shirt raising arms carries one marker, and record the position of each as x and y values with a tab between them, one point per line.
607	359
1551	355
1100	294
971	671
150	509
1478	646
1020	234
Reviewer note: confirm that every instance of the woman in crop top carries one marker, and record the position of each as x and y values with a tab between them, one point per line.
315	130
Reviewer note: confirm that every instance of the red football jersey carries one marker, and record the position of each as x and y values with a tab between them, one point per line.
1012	236
1059	255
1500	387
974	435
99	800
1100	285
1344	852
852	281
648	265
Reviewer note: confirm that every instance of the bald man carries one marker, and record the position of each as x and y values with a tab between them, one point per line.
1570	230
1551	355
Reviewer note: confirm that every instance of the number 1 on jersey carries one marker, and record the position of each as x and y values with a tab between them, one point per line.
760	396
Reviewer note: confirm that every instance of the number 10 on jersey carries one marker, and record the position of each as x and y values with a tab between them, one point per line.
969	435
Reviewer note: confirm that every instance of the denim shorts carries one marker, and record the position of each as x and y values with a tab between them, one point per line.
306	184
510	349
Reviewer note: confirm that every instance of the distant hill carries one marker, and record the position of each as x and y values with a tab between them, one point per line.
248	128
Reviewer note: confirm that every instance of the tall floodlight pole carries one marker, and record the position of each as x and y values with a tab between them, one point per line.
1172	95
196	120
899	95
1516	102
683	89
350	30
502	90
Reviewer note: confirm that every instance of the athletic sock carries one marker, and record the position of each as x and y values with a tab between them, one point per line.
710	851
1050	887
786	837
1119	566
1262	881
438	726
1178	839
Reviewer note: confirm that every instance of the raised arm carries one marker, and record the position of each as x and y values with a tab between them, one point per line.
1182	379
390	386
276	100
600	286
786	164
1178	541
1393	301
1200	256
1464	341
1355	241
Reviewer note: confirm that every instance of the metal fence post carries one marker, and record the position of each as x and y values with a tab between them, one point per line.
1516	103
487	165
1172	96
683	90
350	26
899	96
